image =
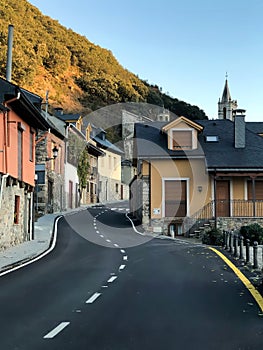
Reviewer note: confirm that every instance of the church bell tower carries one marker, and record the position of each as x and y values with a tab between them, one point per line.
226	105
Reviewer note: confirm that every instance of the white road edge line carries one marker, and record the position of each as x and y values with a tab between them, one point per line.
56	330
93	298
133	226
113	278
122	267
46	252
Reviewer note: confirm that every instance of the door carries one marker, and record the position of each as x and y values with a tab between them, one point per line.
175	198
222	198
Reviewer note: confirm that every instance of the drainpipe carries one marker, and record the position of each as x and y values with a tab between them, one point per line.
17	97
2	186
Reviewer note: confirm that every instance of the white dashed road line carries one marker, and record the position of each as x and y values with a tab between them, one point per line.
108	240
116	245
93	298
122	267
125	257
56	330
122	251
113	278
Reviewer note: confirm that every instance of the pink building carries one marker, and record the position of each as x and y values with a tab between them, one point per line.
20	120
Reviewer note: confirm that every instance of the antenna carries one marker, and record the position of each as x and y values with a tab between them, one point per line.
46	103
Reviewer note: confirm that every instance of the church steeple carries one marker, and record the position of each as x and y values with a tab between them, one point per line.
226	105
226	97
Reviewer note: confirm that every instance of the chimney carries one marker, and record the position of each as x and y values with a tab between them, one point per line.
240	128
9	52
58	111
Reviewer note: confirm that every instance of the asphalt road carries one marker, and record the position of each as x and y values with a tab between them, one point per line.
105	287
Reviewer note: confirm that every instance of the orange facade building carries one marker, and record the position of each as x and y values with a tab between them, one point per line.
20	119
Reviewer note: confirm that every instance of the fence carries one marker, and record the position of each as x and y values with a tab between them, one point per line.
248	252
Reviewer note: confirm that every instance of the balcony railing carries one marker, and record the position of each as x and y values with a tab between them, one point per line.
230	208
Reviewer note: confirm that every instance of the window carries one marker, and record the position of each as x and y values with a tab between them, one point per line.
175	198
258	190
16	210
182	139
211	138
117	188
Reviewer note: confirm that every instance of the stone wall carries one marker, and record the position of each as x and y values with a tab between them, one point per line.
235	223
10	233
109	189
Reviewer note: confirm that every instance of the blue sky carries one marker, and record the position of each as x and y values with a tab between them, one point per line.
184	46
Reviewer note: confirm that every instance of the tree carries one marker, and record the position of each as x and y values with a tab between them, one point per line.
83	169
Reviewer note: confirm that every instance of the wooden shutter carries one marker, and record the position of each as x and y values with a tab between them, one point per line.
175	198
182	139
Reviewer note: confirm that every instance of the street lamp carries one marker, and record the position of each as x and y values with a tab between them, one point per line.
55	154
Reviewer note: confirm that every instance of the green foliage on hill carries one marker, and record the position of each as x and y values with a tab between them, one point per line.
79	75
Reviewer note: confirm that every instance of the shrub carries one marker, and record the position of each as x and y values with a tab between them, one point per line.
253	232
213	237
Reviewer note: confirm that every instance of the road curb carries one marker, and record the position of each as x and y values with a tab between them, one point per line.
35	257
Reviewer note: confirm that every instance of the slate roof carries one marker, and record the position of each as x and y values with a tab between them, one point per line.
151	143
56	124
96	135
223	154
27	106
256	127
69	117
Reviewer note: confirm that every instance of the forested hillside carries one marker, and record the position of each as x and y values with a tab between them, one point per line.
79	75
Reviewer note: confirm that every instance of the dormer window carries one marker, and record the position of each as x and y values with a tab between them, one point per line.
182	139
182	134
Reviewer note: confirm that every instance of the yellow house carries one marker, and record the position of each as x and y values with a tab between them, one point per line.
192	173
109	167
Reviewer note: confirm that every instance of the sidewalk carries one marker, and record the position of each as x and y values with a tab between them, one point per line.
30	249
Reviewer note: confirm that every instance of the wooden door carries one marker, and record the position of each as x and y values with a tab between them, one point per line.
175	198
222	198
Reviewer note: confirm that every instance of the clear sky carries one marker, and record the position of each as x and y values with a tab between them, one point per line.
184	46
